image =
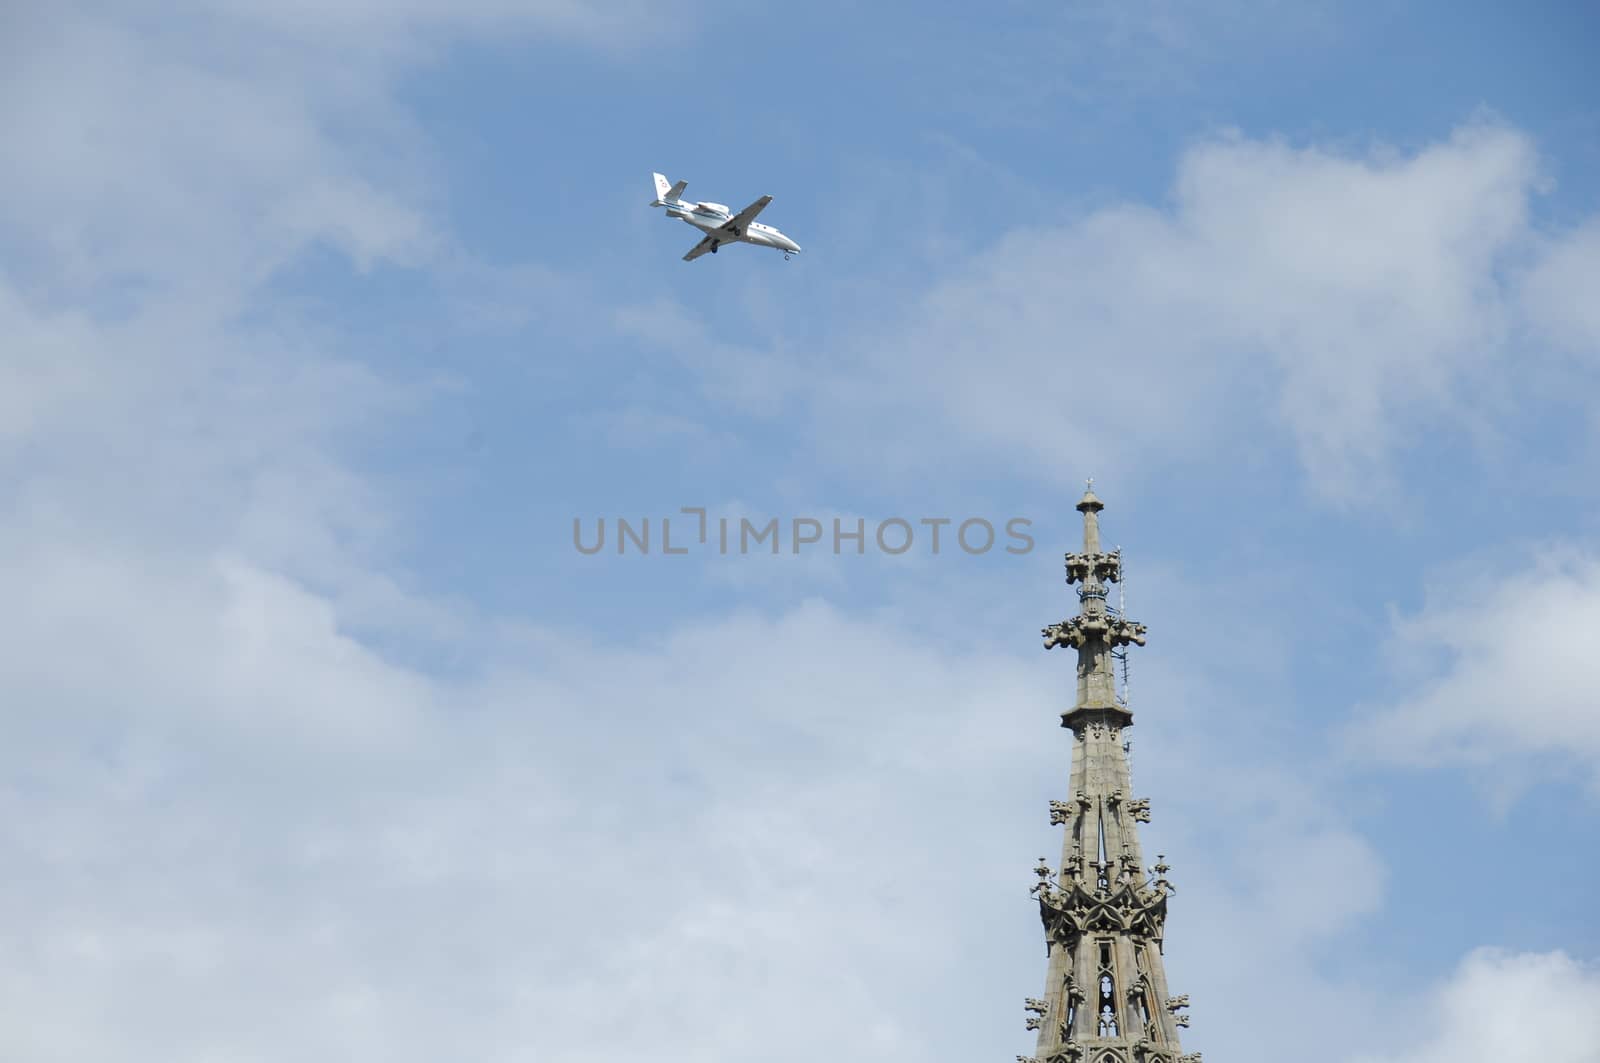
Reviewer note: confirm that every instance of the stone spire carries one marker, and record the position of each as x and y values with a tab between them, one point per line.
1094	632
1104	913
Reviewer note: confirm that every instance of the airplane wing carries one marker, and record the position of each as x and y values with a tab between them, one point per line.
699	249
741	221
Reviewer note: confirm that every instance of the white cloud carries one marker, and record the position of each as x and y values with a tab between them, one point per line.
809	820
1344	304
149	161
1499	1005
1515	677
1358	296
1559	292
207	148
1270	876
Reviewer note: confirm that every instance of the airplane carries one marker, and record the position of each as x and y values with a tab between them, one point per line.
721	226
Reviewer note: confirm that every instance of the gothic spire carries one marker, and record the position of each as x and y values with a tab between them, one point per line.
1094	632
1104	914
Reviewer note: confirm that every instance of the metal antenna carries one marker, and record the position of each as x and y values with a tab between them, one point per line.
1122	612
1121	656
1122	608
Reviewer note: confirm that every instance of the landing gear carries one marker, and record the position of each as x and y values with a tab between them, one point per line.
714	248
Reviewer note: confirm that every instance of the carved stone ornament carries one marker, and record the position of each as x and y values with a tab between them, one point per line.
1102	567
1079	631
1102	909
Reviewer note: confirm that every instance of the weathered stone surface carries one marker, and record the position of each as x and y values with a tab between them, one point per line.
1103	913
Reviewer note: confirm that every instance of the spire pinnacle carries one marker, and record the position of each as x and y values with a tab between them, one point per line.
1090	507
1094	632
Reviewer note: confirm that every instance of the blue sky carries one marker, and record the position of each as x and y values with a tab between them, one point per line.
321	324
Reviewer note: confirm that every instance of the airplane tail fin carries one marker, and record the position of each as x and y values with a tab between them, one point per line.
665	192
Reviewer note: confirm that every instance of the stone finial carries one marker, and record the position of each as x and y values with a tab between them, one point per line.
1090	507
1161	884
1089	501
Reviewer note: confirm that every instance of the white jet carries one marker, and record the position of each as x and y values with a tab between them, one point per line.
721	226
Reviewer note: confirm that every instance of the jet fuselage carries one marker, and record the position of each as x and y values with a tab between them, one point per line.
712	216
721	225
